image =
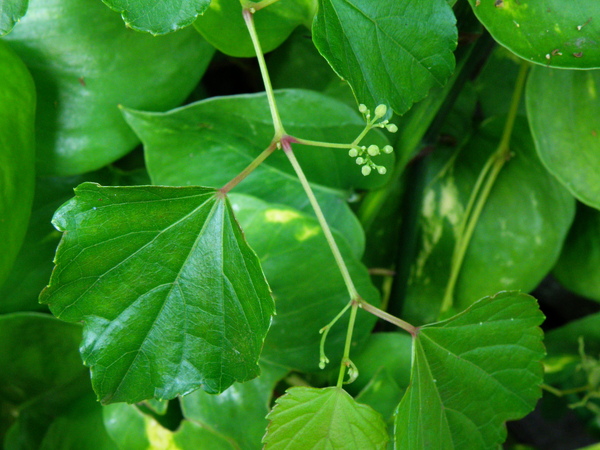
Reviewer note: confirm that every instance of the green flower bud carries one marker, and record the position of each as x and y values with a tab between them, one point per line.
392	128
373	150
360	160
353	152
382	170
362	108
366	170
380	111
388	149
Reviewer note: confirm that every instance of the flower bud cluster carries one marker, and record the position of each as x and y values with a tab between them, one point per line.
380	112
363	157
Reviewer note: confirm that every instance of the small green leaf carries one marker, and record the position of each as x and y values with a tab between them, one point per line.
471	373
159	17
243	403
17	153
209	142
83	72
306	282
389	51
323	419
578	268
552	33
10	13
564	339
566	127
171	295
223	25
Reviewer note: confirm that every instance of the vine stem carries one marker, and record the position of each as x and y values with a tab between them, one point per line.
256	6
482	189
250	168
287	148
249	19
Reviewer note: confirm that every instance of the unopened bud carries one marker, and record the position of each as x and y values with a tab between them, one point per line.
392	128
382	170
366	170
388	149
352	152
360	160
373	150
362	108
380	111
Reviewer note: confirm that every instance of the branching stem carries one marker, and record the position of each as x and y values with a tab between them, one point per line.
249	169
256	6
481	191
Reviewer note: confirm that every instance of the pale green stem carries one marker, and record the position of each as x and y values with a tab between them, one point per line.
279	131
249	169
388	317
325	331
322	144
482	190
321	218
346	357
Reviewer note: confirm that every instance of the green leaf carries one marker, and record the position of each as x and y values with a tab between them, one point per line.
382	393
306	283
171	295
38	354
17	95
564	339
10	13
578	268
83	72
552	33
209	142
223	25
130	429
246	404
517	238
158	17
323	419
566	127
471	373
390	52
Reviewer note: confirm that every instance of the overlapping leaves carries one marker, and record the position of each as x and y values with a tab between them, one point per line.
10	13
471	373
172	296
389	51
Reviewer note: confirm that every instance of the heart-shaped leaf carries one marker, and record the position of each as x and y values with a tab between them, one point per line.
552	33
10	13
390	52
322	419
171	295
471	373
566	127
158	17
78	124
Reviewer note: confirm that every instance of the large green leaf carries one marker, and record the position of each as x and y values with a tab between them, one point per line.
17	95
210	142
566	127
306	282
247	403
171	295
517	238
85	62
323	419
223	25
130	429
471	373
389	51
552	33
578	268
158	17
10	13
